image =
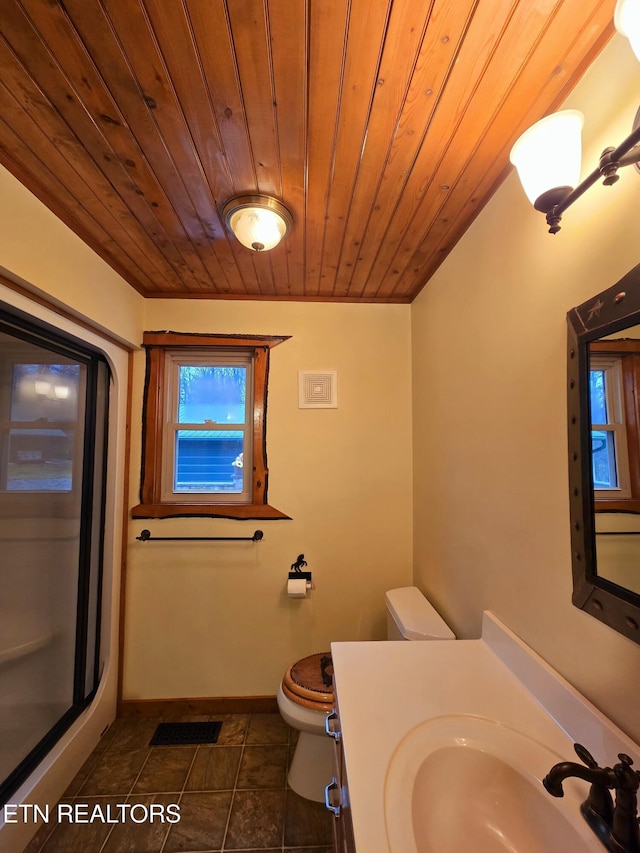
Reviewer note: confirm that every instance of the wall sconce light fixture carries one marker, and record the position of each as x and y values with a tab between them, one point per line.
547	156
257	221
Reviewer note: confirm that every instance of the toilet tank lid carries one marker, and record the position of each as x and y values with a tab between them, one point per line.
415	616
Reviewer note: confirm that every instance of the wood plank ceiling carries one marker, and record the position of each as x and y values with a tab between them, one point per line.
383	125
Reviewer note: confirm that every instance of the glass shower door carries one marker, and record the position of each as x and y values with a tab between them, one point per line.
53	397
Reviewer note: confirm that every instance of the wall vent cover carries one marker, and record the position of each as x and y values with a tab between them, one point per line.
317	389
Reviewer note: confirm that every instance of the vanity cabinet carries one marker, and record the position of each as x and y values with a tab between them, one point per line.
337	792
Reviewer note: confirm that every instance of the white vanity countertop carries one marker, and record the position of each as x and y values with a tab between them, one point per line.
385	689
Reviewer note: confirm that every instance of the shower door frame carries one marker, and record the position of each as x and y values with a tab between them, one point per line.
91	528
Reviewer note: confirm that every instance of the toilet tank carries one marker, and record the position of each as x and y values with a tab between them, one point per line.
410	616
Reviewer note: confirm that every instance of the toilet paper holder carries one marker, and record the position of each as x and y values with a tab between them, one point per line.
296	572
299	575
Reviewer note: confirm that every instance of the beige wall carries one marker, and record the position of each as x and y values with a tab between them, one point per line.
490	462
213	619
39	251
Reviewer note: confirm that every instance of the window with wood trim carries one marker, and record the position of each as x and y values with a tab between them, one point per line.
614	389
204	426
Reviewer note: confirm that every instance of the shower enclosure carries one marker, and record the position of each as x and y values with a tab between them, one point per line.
53	412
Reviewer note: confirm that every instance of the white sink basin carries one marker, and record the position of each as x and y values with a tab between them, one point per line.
462	783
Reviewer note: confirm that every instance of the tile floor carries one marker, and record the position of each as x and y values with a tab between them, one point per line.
232	795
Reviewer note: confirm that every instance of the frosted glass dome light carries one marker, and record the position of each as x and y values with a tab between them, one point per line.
258	222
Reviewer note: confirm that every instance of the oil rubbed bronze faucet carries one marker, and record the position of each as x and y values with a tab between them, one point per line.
616	825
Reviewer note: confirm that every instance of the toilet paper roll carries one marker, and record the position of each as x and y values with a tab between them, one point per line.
297	588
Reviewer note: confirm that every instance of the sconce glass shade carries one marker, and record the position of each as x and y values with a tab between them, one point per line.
258	222
42	387
626	19
548	158
61	392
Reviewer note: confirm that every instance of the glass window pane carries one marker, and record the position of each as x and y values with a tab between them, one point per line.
209	461
604	459
598	396
40	460
212	394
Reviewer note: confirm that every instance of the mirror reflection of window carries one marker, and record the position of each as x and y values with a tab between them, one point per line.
614	371
609	456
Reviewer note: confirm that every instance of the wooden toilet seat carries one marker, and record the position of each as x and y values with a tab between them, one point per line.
309	682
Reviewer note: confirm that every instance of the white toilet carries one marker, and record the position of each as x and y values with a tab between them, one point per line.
305	696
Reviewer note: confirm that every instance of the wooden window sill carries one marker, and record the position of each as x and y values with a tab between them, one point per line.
203	510
624	505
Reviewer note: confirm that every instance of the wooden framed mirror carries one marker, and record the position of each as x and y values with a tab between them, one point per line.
603	361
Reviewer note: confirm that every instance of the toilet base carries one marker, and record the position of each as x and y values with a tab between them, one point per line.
312	766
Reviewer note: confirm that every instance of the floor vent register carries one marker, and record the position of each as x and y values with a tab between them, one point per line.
179	734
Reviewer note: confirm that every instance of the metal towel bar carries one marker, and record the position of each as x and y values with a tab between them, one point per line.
145	536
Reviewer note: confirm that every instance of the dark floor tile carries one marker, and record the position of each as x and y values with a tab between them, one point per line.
291	749
109	734
203	818
38	840
81	776
114	772
267	728
308	849
129	733
306	822
192	718
145	828
214	769
80	837
257	819
234	728
165	769
264	814
263	767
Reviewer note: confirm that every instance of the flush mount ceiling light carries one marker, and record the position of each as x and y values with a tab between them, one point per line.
547	156
257	221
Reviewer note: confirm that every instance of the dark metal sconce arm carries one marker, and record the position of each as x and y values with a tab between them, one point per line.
612	159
